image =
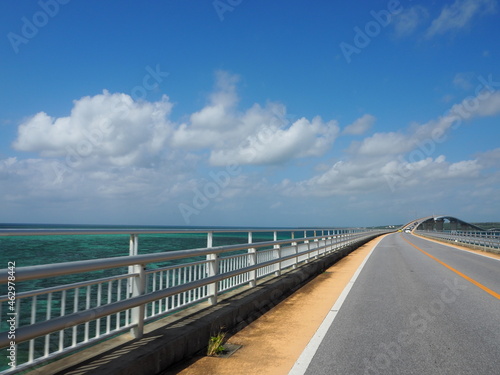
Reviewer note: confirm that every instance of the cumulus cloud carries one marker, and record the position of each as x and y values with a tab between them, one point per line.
273	144
383	174
389	161
361	125
382	144
106	128
486	103
114	130
217	114
259	135
459	15
115	154
490	158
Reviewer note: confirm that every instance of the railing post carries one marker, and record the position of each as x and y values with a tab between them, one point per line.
277	252
212	270
252	261
316	242
296	250
331	237
133	250
135	287
138	288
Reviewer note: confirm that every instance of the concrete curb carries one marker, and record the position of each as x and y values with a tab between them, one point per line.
189	333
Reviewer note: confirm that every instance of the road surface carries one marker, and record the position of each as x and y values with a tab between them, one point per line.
416	307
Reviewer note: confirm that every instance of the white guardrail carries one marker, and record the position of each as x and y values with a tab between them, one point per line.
51	322
485	239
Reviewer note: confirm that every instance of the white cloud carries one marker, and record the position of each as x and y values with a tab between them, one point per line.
259	135
114	130
484	104
106	128
112	154
382	144
33	190
272	144
393	161
459	15
216	115
361	125
490	158
384	175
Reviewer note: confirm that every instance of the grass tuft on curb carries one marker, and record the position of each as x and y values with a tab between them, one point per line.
216	345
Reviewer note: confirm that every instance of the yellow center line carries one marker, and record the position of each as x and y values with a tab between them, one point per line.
479	285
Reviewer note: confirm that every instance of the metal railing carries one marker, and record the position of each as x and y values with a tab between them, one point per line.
483	239
54	321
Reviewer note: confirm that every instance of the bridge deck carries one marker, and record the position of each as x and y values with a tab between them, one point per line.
273	343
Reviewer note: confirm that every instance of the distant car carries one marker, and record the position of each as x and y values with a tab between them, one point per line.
407	231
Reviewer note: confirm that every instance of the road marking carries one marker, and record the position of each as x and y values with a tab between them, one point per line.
300	367
478	284
455	247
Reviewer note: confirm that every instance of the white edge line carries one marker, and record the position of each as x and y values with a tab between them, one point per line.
457	248
301	365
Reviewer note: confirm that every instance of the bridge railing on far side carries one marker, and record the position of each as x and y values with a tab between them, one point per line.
483	239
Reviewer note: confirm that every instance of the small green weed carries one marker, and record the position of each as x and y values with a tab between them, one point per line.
215	344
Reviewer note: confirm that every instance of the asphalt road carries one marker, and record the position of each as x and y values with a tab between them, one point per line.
411	312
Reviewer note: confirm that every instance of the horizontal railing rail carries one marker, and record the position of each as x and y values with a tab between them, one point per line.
57	320
79	231
485	239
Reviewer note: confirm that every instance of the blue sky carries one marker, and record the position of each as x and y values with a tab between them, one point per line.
258	113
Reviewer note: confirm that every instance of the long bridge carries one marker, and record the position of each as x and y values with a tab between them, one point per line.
413	306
